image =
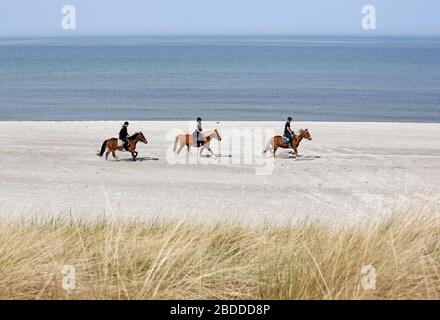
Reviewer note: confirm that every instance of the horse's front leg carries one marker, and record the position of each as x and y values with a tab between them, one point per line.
212	153
295	150
134	155
201	149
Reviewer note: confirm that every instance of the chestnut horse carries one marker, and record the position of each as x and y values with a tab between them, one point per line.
112	145
276	142
187	140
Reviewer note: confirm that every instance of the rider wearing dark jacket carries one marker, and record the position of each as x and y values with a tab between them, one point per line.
123	135
288	133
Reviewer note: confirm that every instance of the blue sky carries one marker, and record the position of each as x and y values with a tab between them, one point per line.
200	17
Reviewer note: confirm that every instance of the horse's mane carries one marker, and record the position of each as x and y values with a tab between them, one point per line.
134	136
208	133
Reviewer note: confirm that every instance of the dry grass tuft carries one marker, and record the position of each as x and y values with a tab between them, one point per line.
153	260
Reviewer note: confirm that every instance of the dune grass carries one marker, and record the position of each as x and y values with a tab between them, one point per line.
158	260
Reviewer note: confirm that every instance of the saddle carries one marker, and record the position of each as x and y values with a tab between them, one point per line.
199	143
285	140
121	145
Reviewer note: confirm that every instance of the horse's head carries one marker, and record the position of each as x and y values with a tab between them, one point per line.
138	136
142	138
217	135
306	134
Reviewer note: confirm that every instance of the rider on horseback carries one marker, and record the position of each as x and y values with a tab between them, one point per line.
123	135
198	133
288	133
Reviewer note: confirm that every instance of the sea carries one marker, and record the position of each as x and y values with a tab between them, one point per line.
254	78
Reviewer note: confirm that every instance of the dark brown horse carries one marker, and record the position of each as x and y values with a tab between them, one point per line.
277	142
112	145
187	140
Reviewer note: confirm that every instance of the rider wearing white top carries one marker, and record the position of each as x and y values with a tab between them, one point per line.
198	133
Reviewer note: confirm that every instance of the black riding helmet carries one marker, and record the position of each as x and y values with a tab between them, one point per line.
289	119
199	119
126	123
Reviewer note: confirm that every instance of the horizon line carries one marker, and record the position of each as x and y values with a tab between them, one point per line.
364	35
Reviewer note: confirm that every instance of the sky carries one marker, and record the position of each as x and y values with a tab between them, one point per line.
219	17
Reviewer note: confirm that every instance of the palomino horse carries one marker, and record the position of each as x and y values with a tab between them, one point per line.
276	142
112	145
187	140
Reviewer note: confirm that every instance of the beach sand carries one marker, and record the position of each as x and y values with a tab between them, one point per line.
349	172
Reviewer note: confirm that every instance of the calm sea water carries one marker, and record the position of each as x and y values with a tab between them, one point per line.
220	78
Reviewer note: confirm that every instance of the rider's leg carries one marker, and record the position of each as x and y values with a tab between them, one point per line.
293	148
125	145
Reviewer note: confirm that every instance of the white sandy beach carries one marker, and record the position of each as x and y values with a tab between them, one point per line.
348	172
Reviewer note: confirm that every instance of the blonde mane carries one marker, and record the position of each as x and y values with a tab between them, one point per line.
209	133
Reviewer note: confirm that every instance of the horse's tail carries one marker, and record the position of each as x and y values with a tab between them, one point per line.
175	143
104	145
267	145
